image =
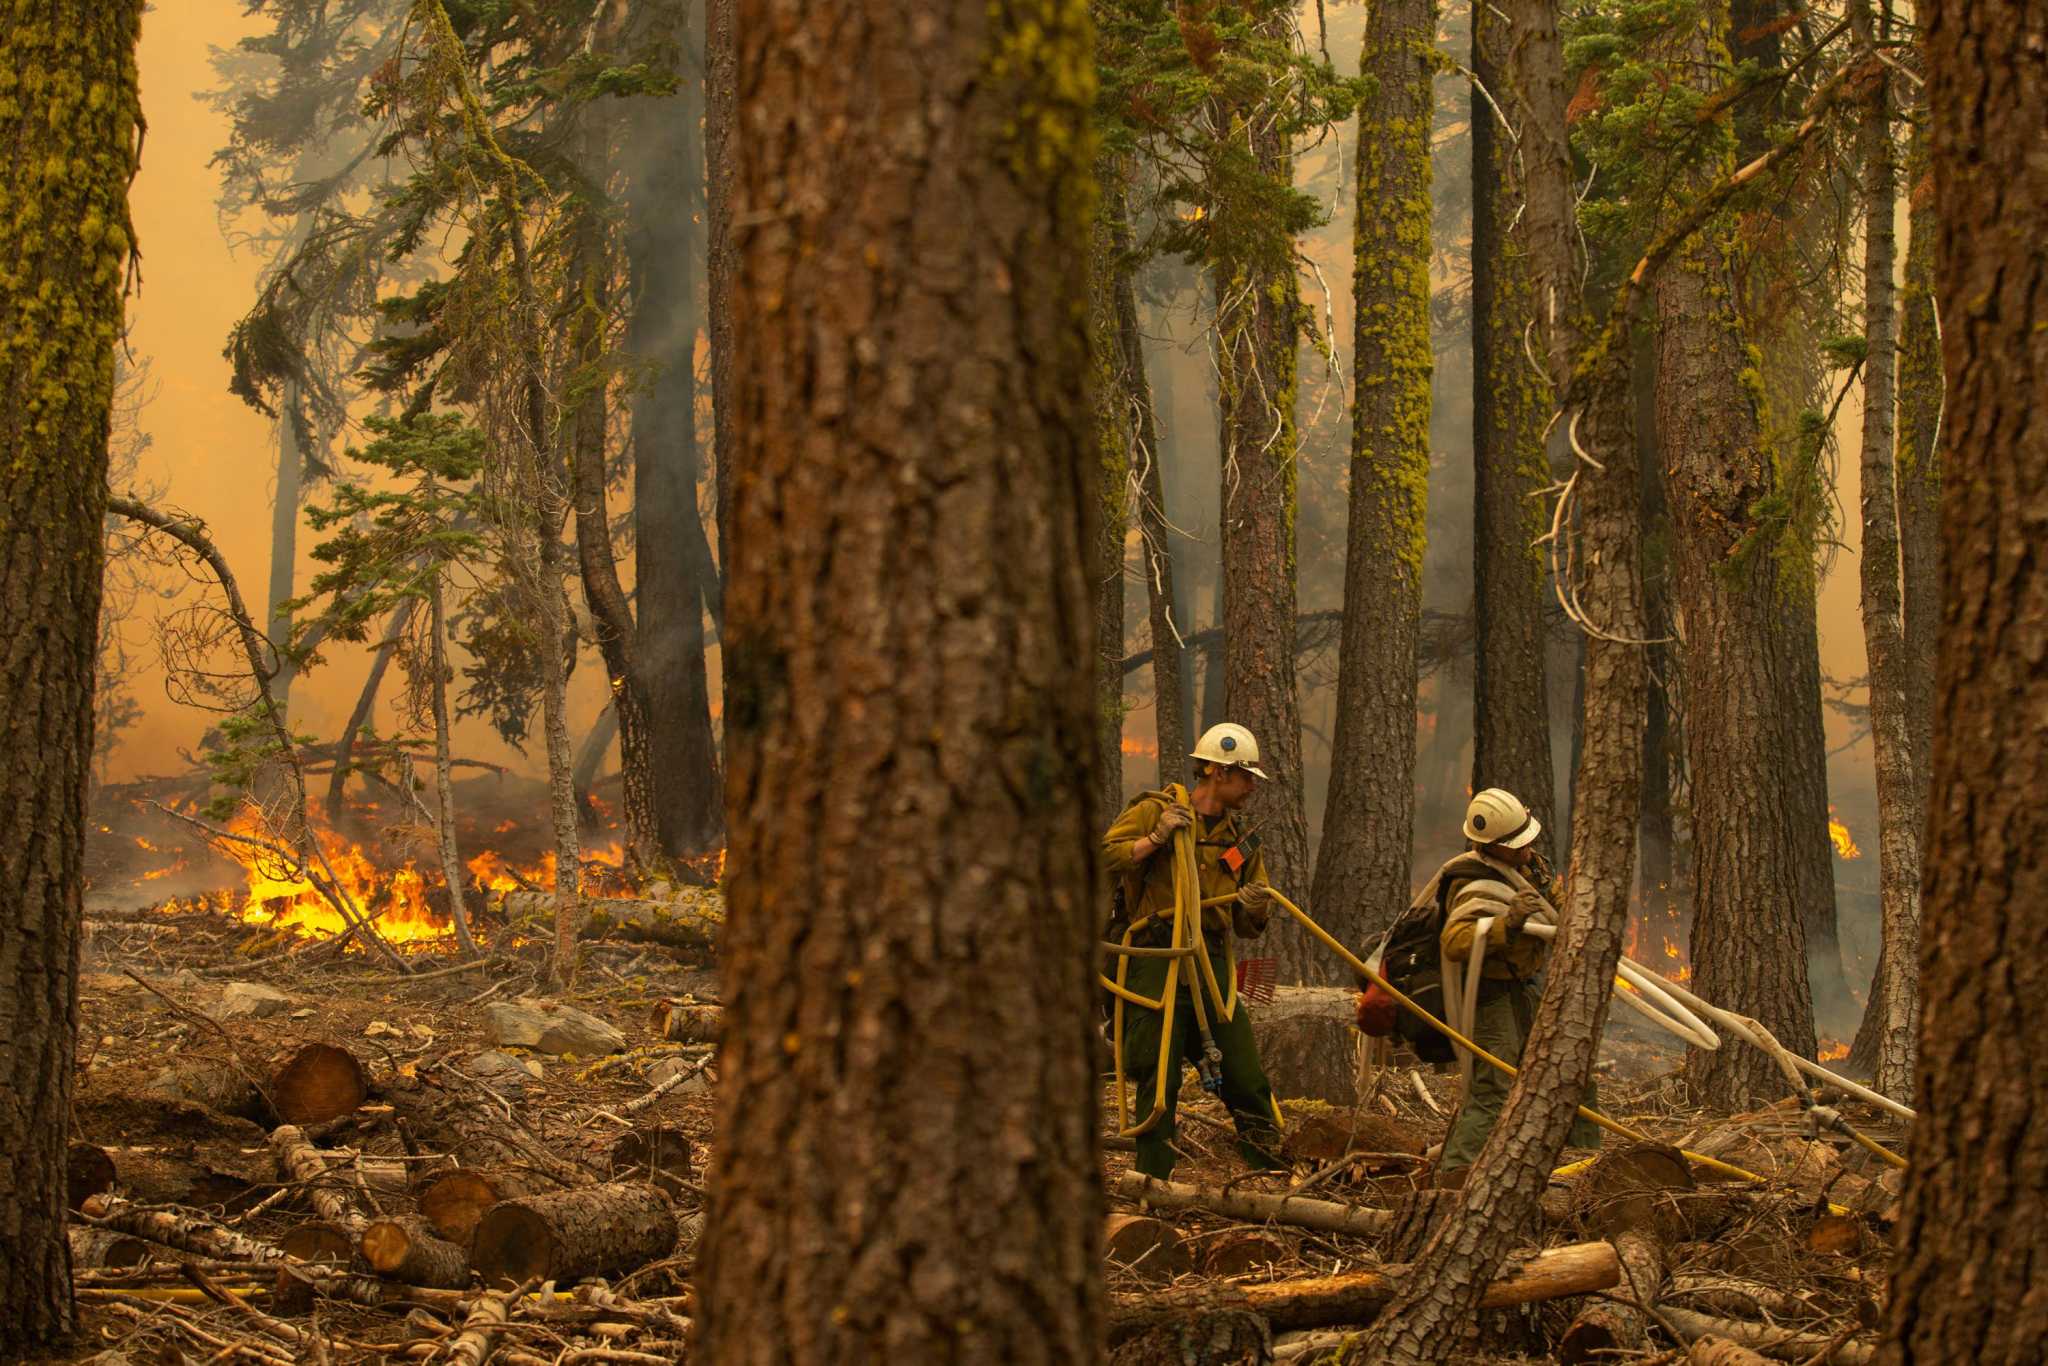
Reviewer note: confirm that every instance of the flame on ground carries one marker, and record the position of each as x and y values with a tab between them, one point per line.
1833	1050
1845	844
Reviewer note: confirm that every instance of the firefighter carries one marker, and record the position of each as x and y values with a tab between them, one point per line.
1501	833
1226	772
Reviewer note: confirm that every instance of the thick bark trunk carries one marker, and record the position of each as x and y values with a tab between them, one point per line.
1899	812
1967	1283
1258	331
1657	838
1510	407
1112	470
906	1099
1739	657
444	773
1363	865
61	289
1505	1185
673	571
571	1234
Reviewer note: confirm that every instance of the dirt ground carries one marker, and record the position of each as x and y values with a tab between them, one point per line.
1801	1251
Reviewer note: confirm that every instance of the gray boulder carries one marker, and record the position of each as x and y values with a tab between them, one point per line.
251	1001
547	1027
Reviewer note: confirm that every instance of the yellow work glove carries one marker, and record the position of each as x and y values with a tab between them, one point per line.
1253	908
1177	816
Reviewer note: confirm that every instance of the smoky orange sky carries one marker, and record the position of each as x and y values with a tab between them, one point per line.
213	456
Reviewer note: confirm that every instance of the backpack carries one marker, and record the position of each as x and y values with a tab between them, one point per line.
1411	959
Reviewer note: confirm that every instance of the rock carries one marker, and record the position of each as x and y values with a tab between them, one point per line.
251	1001
550	1028
502	1071
1307	1044
668	1067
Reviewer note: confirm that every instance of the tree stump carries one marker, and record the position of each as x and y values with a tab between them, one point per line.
318	1083
88	1171
658	1154
572	1234
1307	1045
1150	1249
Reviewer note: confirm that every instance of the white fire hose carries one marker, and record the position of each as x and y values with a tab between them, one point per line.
1659	999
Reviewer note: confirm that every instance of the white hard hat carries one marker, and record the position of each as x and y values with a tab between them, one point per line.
1231	745
1497	816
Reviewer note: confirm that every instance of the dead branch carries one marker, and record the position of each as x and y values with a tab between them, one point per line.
1300	1212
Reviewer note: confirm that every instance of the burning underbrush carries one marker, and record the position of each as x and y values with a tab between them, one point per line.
149	854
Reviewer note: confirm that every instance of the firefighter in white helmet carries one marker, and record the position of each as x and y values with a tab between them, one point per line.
1229	866
1503	879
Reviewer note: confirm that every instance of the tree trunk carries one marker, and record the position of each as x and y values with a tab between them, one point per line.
359	715
444	773
1884	631
1258	330
1510	408
554	633
721	57
1967	1282
571	1234
1503	1190
60	317
674	575
1112	470
1748	931
1363	865
1166	614
284	535
1657	837
1917	480
906	1165
611	616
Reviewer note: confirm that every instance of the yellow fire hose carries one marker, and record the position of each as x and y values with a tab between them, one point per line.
1187	900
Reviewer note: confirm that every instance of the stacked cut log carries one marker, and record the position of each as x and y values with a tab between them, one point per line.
1147	1248
693	924
1627	1196
317	1083
452	1201
408	1249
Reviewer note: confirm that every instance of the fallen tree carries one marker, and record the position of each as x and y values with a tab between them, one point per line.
1299	1211
571	1234
690	923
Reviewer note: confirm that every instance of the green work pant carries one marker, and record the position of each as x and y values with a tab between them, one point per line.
1245	1088
1502	1029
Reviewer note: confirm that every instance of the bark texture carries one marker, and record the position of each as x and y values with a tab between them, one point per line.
1258	330
1363	865
566	1235
1112	480
675	576
69	133
1749	934
1510	409
905	1167
721	58
1884	626
1967	1285
1434	1306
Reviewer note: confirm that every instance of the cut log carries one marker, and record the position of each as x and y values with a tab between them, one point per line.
319	1244
88	1171
572	1234
298	1160
104	1249
452	1201
687	1022
1297	1210
658	1154
1326	1301
1721	1352
1358	1297
1783	1344
406	1249
1240	1252
318	1083
1150	1249
1212	1337
691	923
220	1087
1608	1329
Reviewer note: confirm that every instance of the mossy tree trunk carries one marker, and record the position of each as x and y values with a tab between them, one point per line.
1971	1241
1368	829
70	128
906	1164
1510	412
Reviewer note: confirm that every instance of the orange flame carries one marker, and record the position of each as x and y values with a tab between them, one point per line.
1833	1050
1144	749
1845	844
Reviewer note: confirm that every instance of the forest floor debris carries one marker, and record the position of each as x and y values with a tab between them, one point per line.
215	1227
